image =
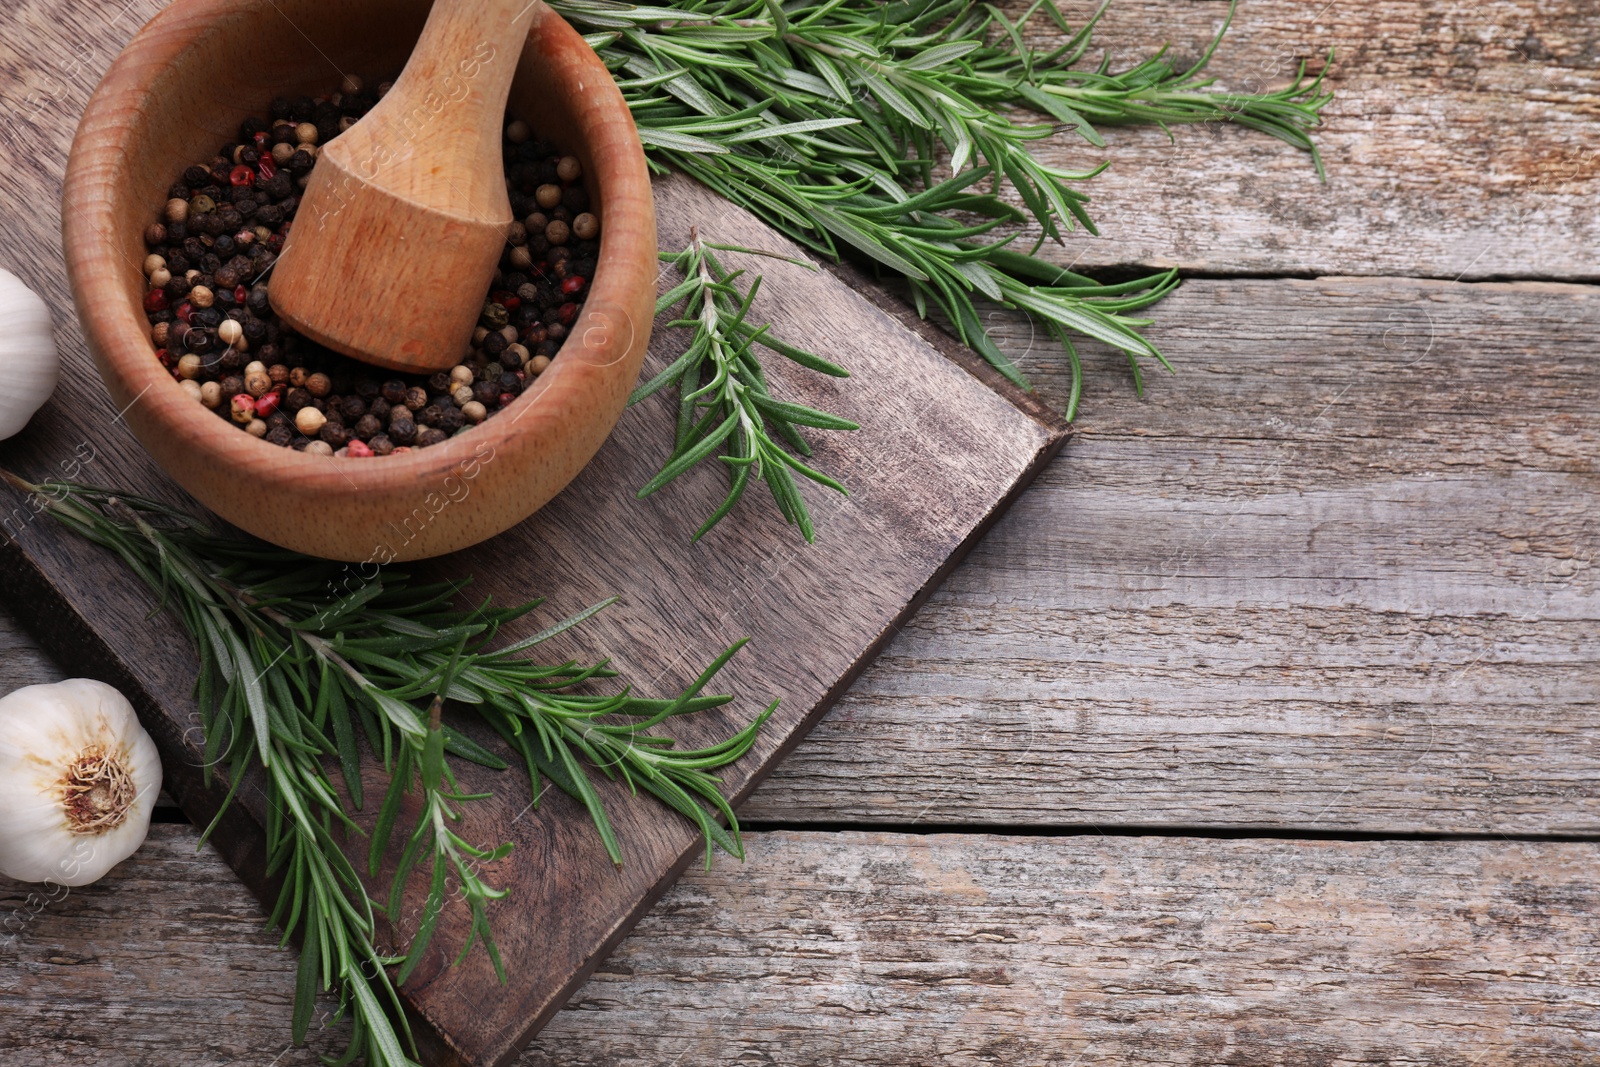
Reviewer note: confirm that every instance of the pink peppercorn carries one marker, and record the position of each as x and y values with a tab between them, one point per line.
155	300
357	449
268	403
574	284
242	175
240	295
568	312
183	311
267	167
506	398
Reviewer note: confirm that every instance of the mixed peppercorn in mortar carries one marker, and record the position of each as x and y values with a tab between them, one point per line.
214	329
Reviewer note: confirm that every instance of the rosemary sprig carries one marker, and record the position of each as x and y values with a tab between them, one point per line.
830	121
724	405
297	656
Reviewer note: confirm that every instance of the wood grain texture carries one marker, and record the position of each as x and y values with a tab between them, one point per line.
869	949
1337	573
1463	142
923	489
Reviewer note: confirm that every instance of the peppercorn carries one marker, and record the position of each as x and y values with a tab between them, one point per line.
586	226
439	382
357	449
189	366
242	408
335	434
308	420
539	364
485	392
428	436
416	398
319	384
367	425
557	232
210	394
494	316
402	431
230	333
394	391
460	375
257	383
494	344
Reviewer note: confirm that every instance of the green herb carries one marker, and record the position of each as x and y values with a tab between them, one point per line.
724	405
296	654
831	121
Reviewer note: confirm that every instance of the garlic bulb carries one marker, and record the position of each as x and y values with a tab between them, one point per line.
28	363
78	778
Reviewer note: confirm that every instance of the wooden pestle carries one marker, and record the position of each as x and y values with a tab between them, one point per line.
405	215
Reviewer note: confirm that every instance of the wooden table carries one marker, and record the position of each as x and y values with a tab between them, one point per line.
1259	732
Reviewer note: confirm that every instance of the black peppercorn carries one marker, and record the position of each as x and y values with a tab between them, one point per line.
402	431
335	434
428	435
379	408
428	415
450	420
279	435
354	407
366	426
366	388
416	397
380	444
494	344
256	300
394	390
155	234
486	393
300	163
439	382
295	399
232	384
279	108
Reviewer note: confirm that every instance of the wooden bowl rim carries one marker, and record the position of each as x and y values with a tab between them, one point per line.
118	332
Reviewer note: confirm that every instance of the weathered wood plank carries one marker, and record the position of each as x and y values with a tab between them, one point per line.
1337	573
874	949
1462	141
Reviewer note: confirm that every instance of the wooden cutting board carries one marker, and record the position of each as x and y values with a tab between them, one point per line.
944	447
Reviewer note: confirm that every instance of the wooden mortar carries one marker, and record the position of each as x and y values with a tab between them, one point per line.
179	90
